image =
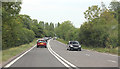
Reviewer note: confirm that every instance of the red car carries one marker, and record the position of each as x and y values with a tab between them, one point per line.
41	43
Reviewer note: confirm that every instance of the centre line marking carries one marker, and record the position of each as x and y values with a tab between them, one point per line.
61	59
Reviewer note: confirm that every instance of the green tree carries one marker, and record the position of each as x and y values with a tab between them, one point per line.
113	7
9	12
100	32
67	32
16	28
42	24
26	21
92	13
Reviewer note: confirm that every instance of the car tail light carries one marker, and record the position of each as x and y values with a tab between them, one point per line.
42	43
45	43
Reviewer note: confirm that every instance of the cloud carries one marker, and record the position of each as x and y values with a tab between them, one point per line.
59	10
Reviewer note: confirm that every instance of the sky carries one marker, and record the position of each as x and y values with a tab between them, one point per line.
59	10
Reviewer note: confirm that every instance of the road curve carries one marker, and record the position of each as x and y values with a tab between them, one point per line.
45	57
38	57
85	58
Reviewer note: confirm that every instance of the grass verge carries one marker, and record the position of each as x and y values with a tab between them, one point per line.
11	52
103	50
63	41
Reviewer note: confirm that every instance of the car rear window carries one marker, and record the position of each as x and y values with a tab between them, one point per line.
41	41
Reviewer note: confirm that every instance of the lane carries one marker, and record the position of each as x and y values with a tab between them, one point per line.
61	59
42	57
38	57
84	58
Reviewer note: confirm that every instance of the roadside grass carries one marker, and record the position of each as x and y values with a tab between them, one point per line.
103	50
11	52
63	41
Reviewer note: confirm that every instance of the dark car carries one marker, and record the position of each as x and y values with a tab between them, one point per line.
41	43
74	45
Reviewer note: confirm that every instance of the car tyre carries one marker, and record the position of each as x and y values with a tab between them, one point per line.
45	46
37	46
70	49
67	49
79	49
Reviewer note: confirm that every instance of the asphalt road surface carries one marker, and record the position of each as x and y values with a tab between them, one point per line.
57	55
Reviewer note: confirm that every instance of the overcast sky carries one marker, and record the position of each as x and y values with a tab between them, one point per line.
59	10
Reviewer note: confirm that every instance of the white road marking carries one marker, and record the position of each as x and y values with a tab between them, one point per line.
61	59
61	43
94	51
12	62
87	54
112	61
110	54
102	53
57	57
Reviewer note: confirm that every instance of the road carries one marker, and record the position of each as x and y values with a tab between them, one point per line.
56	55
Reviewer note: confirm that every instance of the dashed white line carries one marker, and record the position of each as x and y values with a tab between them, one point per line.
112	61
87	54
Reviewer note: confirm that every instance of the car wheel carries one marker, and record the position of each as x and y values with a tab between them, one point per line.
37	46
70	49
79	49
45	46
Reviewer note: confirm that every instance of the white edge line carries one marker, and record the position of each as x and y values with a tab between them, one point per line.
12	62
61	42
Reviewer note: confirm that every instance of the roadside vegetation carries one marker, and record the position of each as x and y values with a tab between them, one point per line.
99	32
20	29
14	51
63	41
98	49
20	32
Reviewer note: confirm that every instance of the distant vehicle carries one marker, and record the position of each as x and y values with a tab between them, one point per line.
74	45
50	37
54	38
46	38
41	43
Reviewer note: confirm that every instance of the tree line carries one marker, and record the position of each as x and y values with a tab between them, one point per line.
99	30
18	29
